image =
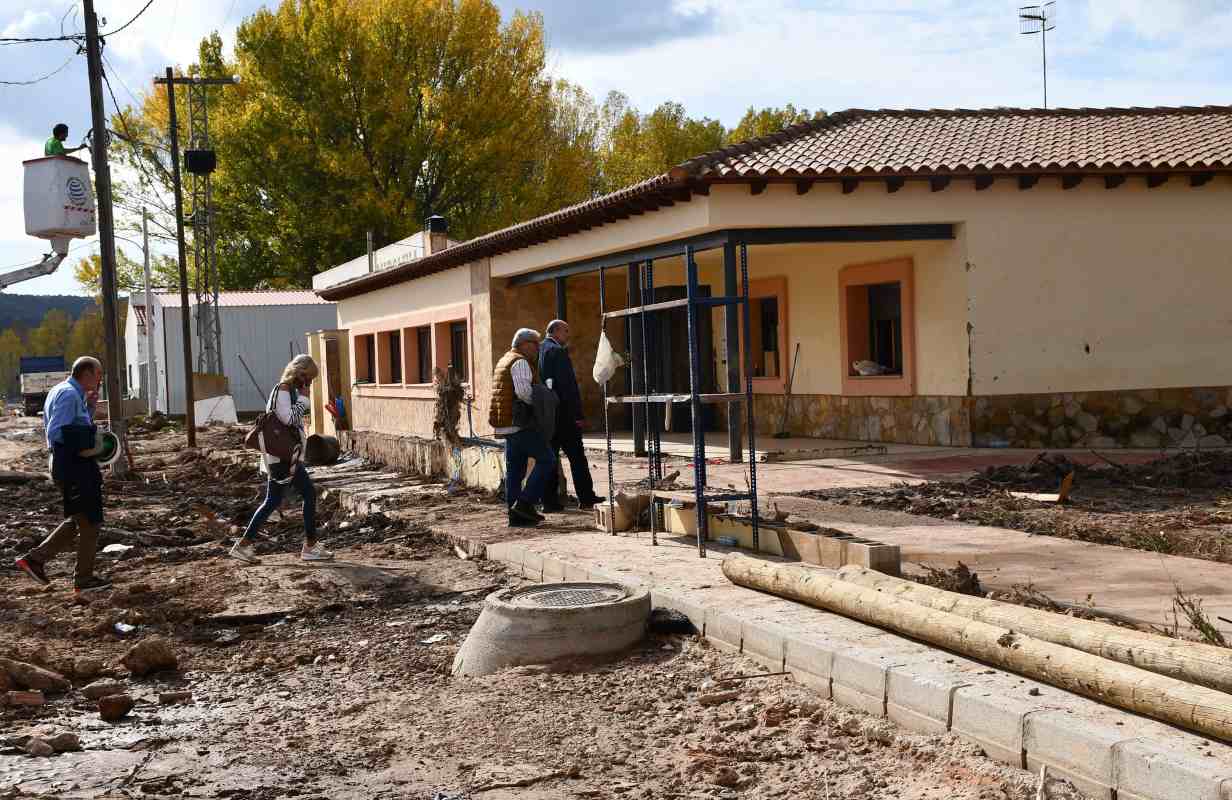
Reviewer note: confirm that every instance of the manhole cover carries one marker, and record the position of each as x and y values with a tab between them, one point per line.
568	595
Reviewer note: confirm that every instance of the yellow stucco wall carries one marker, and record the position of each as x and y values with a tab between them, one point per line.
1085	289
812	271
431	291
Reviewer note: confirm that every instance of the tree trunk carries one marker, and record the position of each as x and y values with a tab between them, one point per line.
1196	708
1188	661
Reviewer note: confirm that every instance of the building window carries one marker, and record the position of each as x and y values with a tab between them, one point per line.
458	347
767	334
365	358
764	324
395	356
418	356
877	328
885	328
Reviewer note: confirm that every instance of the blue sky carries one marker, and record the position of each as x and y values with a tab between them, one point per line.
717	57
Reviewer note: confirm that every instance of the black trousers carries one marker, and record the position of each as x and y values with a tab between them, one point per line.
569	440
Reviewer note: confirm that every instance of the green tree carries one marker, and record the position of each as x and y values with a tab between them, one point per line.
634	147
11	348
769	120
130	275
86	337
51	336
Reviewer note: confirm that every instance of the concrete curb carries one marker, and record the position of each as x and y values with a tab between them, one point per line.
1106	753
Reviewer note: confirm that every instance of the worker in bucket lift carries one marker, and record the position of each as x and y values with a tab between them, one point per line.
68	415
288	404
55	145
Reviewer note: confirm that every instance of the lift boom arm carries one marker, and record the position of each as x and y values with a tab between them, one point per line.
48	265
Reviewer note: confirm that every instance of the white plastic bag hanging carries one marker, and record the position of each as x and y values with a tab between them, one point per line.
607	360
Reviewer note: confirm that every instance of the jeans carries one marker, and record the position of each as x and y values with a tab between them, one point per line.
274	493
519	447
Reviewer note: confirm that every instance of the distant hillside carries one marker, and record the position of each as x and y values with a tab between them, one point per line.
27	310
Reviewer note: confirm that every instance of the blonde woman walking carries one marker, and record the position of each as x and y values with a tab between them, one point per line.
288	404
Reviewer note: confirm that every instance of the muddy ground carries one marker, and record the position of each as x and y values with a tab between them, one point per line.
1180	504
332	681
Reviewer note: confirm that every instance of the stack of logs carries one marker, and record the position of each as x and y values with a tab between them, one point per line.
1180	682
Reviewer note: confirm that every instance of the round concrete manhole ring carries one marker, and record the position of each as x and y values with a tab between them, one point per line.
567	595
552	621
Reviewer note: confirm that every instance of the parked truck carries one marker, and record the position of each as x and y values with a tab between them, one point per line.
38	375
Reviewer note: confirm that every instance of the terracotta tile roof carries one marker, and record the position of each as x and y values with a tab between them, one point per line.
952	142
862	143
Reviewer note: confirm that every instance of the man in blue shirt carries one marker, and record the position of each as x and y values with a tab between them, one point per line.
556	370
68	415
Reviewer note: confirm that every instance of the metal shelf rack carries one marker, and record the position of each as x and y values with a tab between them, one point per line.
649	399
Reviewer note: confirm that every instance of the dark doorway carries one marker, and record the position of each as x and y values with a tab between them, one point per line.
668	351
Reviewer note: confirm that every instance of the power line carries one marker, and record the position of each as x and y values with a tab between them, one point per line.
77	37
51	74
131	21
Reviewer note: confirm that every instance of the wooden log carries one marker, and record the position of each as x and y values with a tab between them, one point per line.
1187	705
1188	661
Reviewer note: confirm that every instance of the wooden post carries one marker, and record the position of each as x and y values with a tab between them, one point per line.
1189	706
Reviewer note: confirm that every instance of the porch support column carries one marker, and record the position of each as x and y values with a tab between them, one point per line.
561	305
731	322
633	339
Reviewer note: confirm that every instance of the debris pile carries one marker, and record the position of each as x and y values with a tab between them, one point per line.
1179	504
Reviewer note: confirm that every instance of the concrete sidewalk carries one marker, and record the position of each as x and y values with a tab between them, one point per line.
1015	720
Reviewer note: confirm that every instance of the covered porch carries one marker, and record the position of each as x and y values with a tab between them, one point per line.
820	301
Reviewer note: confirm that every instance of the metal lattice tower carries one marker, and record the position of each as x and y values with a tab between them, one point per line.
209	329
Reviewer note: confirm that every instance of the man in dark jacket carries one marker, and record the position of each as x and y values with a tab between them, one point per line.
556	370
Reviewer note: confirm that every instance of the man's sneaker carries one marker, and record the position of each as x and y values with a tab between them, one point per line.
587	505
316	553
34	569
91	584
553	508
521	522
243	550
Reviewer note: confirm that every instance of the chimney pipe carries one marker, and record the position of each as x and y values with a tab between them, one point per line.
437	234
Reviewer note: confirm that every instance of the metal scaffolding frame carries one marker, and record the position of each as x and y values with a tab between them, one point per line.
736	307
645	397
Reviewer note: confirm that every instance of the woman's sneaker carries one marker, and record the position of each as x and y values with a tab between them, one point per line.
34	569
243	550
315	553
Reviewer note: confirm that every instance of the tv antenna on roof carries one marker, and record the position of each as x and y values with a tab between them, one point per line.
1039	19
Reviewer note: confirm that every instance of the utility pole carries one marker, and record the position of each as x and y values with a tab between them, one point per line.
151	369
190	399
200	161
106	230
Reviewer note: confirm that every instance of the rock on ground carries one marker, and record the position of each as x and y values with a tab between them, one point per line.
115	707
150	655
39	748
100	689
29	676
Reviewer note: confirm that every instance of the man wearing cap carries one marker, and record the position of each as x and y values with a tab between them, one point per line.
512	415
68	415
556	370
